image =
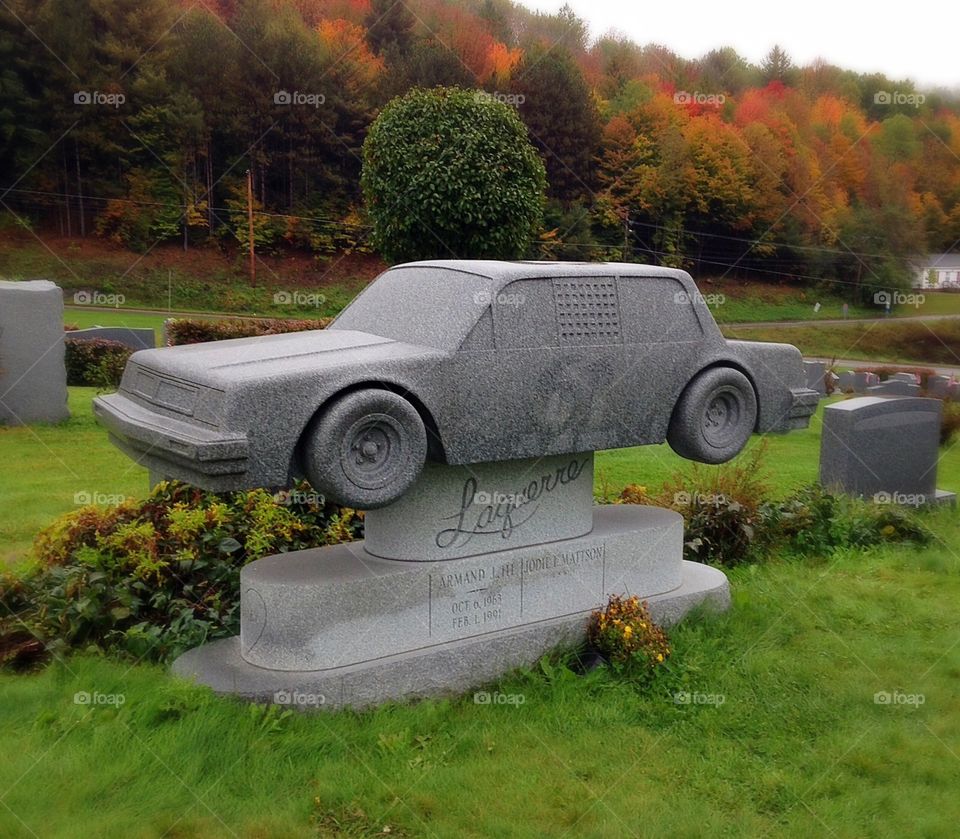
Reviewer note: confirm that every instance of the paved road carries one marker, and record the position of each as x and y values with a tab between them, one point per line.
858	364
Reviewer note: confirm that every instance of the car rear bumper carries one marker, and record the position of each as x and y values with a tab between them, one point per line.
803	405
170	446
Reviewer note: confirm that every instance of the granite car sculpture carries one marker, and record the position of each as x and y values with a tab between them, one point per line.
461	362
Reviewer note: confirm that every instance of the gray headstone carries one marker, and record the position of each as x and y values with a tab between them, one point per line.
882	449
815	371
341	627
910	378
894	387
845	381
938	386
833	382
136	339
33	377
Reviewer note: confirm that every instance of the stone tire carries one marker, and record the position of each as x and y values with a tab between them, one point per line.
714	417
365	449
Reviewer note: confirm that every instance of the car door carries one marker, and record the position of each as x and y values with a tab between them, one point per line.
589	403
663	340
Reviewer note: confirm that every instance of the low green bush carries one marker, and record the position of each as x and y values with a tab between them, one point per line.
190	331
729	518
155	577
95	362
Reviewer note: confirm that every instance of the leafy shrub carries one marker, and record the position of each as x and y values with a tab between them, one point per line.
721	508
189	331
729	518
95	362
155	577
450	172
625	634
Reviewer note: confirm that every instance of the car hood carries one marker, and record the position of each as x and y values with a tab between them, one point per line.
218	363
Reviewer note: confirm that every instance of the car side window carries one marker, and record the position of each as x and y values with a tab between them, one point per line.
588	311
480	338
657	310
524	315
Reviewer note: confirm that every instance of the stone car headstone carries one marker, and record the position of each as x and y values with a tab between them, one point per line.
33	376
136	339
466	430
885	449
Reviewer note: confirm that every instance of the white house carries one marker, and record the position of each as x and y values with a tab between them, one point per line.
936	270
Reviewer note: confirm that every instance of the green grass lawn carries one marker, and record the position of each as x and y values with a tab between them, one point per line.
49	469
84	318
785	736
798	747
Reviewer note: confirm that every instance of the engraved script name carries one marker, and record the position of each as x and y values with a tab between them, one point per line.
503	518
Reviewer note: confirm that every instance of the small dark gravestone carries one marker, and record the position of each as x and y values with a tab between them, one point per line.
864	379
894	387
910	378
845	381
816	372
938	386
33	376
884	449
136	339
459	404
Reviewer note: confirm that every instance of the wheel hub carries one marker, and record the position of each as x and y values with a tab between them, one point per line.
372	454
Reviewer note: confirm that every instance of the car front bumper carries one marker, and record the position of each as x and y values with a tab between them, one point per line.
171	447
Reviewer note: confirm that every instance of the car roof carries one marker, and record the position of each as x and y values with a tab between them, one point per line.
502	272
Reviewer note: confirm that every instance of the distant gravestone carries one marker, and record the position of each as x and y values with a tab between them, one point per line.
894	387
816	371
863	379
136	339
883	449
832	382
845	381
910	378
938	386
33	376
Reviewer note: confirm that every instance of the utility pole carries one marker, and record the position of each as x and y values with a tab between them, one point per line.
253	264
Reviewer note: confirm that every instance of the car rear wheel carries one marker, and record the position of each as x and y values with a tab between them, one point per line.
365	449
714	417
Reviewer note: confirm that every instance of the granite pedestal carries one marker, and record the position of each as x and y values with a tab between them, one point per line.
456	583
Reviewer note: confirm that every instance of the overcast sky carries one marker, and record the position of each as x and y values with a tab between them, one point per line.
916	40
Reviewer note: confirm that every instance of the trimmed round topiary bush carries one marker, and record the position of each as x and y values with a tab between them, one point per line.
450	173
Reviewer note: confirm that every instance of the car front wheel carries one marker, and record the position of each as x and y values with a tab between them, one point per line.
365	449
714	417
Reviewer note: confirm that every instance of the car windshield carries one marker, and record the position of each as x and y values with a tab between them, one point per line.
434	307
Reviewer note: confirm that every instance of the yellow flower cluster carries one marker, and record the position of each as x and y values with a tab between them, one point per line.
624	633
